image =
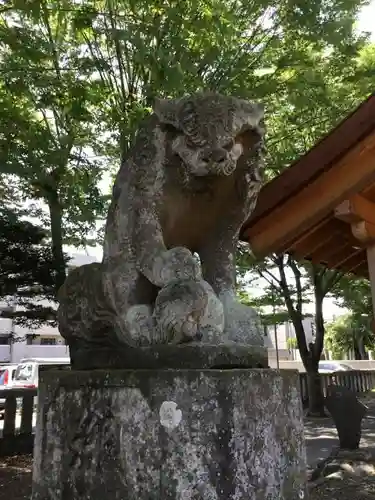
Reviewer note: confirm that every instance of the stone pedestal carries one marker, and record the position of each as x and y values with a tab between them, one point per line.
231	434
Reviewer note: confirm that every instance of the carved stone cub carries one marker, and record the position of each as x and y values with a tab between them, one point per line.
189	183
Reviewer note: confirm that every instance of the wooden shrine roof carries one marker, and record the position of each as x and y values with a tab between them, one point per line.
322	208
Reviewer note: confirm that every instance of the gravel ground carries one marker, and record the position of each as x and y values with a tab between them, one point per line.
358	488
16	472
15	483
15	477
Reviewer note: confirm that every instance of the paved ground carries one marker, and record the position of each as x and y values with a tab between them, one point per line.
321	435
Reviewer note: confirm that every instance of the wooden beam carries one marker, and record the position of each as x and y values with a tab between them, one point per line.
371	272
311	245
319	236
356	209
352	264
315	201
343	255
325	253
361	271
333	146
364	231
369	192
300	240
315	239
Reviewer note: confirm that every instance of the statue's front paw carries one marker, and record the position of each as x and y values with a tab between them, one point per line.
176	264
179	308
242	323
139	325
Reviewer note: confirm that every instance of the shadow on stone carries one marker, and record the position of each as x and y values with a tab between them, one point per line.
190	355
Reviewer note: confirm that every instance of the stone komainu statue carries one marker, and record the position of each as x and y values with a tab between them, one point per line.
189	183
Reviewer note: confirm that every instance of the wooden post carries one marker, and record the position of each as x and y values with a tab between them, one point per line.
371	271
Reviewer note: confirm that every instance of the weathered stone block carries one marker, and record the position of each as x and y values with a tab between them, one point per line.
169	434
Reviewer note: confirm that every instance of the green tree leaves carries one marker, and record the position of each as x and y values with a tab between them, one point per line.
350	333
27	269
78	77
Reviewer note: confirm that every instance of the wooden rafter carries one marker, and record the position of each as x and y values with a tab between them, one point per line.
323	254
322	208
314	239
356	209
343	255
352	264
327	152
364	231
316	200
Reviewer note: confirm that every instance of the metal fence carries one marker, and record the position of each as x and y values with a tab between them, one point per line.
359	381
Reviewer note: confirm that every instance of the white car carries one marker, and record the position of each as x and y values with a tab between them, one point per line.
333	366
27	372
7	374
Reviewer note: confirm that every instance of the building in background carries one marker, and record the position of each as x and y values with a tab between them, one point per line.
284	339
17	342
46	342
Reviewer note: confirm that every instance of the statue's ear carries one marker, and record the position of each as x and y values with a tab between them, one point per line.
250	116
249	125
167	111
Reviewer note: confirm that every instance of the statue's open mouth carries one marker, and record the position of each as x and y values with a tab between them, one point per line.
213	170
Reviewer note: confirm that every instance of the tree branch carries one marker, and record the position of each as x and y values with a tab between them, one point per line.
295	313
297	274
265	278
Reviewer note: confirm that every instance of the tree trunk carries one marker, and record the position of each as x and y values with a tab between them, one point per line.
316	396
361	348
55	211
310	358
310	355
357	352
315	388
